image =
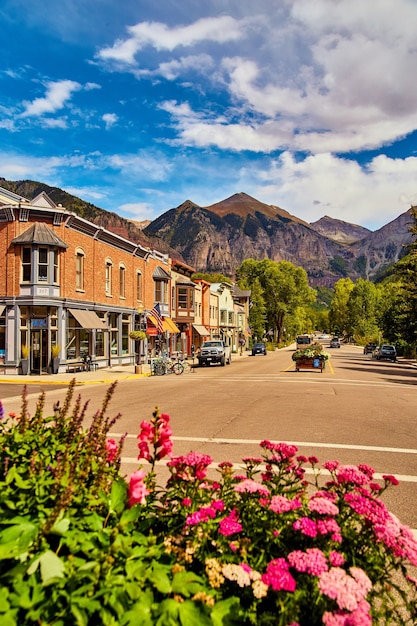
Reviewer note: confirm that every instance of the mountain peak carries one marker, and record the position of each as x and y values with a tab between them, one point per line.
243	205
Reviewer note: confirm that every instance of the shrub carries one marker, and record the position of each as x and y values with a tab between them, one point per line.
80	545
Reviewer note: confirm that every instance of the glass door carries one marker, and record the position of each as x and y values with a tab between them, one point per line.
39	352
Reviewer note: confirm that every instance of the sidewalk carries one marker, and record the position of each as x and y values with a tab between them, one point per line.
99	376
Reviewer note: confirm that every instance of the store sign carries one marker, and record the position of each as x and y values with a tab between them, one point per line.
40	322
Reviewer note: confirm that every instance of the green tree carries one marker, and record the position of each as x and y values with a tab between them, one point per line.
338	312
406	271
363	309
213	278
257	310
285	287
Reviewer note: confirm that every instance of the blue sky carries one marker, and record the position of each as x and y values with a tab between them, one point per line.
137	106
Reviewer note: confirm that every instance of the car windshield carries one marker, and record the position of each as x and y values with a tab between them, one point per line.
211	344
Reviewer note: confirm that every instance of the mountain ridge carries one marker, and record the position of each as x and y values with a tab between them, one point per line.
217	238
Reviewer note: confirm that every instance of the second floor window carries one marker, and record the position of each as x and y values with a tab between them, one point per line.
43	265
139	295
122	282
161	291
26	265
108	277
79	271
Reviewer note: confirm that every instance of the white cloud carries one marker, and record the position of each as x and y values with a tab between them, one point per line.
137	211
323	184
161	37
57	94
109	119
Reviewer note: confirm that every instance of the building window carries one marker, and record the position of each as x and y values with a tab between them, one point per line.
26	265
108	277
56	266
161	291
223	317
122	281
125	333
231	318
79	270
139	287
43	265
185	298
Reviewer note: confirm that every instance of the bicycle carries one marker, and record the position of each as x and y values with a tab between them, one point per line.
166	366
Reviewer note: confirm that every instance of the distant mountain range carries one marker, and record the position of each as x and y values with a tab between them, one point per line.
219	237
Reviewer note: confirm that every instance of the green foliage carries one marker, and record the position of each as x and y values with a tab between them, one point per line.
78	546
338	265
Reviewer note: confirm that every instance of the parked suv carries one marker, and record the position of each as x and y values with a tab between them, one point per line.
259	348
385	352
335	342
369	348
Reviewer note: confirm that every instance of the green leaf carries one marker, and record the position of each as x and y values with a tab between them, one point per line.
118	496
51	566
61	526
186	583
159	578
4	602
224	609
16	539
190	614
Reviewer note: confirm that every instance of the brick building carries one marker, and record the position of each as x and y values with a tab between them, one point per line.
69	285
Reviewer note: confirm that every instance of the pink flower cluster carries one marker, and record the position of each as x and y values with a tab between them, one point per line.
230	525
281	504
137	490
111	449
347	590
278	576
157	435
205	513
251	486
282	451
312	528
191	467
312	561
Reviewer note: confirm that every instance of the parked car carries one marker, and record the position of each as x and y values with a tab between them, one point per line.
258	348
369	348
335	342
385	352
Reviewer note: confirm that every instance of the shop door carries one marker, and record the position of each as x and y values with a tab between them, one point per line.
38	352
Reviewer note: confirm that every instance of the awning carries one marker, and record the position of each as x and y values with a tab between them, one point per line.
167	324
170	326
88	319
202	330
2	307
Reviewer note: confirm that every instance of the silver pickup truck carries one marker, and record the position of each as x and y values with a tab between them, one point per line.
215	351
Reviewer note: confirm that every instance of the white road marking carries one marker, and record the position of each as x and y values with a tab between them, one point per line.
302	444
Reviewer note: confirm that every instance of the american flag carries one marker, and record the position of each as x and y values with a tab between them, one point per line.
156	313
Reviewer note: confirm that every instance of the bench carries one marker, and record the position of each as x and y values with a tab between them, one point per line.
76	367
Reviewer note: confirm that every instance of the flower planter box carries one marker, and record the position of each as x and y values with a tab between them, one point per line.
316	363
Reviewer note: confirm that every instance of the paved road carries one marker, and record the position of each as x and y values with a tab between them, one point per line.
357	411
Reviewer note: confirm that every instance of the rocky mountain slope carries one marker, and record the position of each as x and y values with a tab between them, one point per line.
340	231
219	237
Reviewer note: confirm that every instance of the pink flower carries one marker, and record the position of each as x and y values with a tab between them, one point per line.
307	526
282	451
391	479
278	577
347	591
186	502
352	474
251	486
144	451
336	559
323	506
202	515
281	504
331	465
137	490
230	525
312	561
111	449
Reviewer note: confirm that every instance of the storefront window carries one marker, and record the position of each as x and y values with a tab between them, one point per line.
99	348
125	333
114	333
